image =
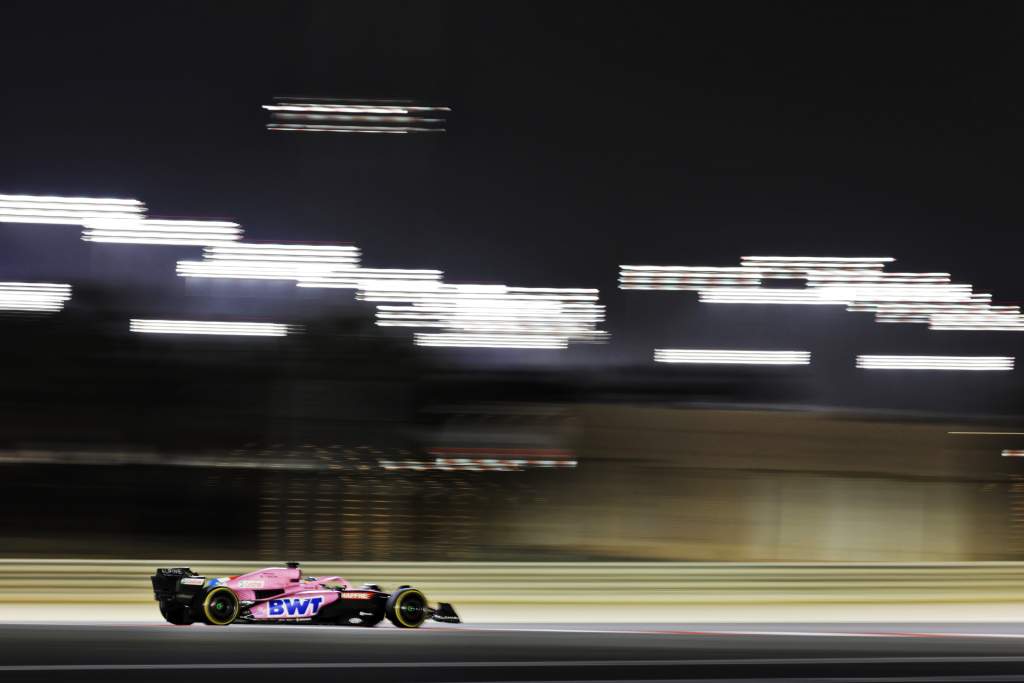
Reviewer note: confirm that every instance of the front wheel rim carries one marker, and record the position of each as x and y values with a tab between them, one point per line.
411	609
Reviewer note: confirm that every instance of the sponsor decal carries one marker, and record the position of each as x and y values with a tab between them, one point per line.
199	581
356	596
294	607
250	584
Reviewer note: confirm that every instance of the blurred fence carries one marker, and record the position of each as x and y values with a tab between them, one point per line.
582	584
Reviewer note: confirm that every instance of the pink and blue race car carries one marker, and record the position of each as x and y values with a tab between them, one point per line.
284	595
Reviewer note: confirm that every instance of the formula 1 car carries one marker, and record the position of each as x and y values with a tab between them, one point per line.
284	595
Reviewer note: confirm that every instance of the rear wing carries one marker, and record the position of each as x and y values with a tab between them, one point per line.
176	583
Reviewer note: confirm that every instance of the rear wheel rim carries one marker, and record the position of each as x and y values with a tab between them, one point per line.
221	607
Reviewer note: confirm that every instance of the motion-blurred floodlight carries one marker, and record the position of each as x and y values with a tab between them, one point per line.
732	357
33	297
16	208
355	116
874	362
161	232
208	327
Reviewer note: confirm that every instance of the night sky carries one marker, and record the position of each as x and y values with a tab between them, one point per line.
582	136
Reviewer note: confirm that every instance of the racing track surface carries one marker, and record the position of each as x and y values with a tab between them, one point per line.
296	654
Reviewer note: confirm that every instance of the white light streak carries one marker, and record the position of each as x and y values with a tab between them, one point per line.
208	327
491	341
358	117
994	319
917	312
311	128
787	267
474	464
874	277
743	295
460	315
335	108
816	262
290	253
506	464
732	357
840	261
33	297
978	363
371	119
895	292
489	316
247	270
350	108
128	204
388	279
160	231
262	261
1013	453
337	128
66	210
859	283
684	277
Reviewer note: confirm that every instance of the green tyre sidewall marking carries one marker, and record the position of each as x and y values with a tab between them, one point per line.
209	598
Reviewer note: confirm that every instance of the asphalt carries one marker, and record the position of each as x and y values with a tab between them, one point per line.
523	652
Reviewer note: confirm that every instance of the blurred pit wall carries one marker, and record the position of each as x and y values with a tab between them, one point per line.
652	484
714	485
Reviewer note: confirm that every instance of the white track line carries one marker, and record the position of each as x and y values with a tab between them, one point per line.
997	678
560	663
731	632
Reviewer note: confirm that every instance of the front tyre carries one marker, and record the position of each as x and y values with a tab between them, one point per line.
219	606
407	608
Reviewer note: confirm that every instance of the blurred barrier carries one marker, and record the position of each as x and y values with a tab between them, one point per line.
127	581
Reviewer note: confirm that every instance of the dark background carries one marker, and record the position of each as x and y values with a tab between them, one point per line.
583	136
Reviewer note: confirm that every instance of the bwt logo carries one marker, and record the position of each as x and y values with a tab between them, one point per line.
294	607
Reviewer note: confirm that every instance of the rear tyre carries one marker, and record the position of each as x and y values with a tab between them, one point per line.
179	615
407	608
219	606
